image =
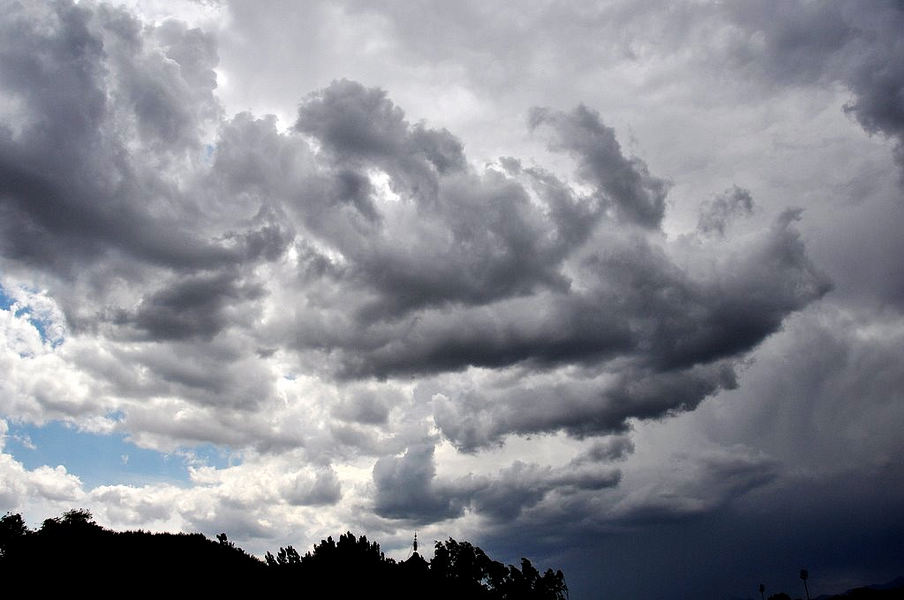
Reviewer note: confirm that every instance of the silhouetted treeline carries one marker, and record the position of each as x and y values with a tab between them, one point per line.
72	552
457	570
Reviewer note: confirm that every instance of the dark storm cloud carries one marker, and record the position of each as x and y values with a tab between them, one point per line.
839	41
345	286
407	487
668	337
624	183
360	246
467	238
78	79
581	406
360	125
853	387
506	494
710	483
405	490
609	449
635	302
848	529
354	122
108	182
168	98
847	46
194	307
208	374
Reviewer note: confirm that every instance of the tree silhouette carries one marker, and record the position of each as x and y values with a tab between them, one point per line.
285	557
461	570
12	529
73	548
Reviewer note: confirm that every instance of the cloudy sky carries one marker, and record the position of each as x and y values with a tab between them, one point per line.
616	286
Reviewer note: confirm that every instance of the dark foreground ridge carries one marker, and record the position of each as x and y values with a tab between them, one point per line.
893	590
72	552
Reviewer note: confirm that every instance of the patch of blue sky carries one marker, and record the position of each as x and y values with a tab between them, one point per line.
209	154
41	324
6	302
107	459
212	456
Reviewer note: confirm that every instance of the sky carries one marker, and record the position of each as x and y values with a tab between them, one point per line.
616	286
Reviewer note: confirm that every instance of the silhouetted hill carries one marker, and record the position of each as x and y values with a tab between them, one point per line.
893	590
72	552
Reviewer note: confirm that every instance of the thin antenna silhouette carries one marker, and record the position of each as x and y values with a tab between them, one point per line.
804	575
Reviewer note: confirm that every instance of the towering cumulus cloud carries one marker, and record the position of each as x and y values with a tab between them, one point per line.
352	289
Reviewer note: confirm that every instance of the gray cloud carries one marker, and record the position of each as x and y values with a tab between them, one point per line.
407	487
346	290
823	520
716	214
850	387
505	495
835	42
583	407
228	517
839	45
677	350
72	189
405	490
623	183
322	489
194	307
609	449
364	407
375	251
477	238
713	482
686	322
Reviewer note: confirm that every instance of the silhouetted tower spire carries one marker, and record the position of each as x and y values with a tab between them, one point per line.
415	543
804	575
